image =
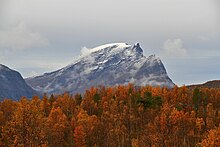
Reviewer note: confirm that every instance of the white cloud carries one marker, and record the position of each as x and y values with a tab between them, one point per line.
20	37
174	48
85	51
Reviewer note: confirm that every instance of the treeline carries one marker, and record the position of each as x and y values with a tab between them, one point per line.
122	116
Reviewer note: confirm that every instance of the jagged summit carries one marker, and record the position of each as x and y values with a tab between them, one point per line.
110	64
138	48
137	44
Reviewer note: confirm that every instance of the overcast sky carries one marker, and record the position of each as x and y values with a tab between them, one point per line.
38	36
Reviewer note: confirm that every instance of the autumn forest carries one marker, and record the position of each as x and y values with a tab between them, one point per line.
120	116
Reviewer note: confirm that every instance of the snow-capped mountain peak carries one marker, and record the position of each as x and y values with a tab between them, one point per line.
110	64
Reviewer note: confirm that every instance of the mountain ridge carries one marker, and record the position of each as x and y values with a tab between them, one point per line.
12	84
208	84
108	65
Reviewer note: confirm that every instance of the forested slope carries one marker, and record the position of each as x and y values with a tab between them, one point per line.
114	116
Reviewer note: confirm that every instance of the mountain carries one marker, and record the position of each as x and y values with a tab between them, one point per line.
209	84
12	85
111	64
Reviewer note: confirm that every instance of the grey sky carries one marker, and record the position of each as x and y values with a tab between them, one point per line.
38	36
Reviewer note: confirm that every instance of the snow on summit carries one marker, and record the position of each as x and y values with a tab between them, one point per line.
115	47
109	65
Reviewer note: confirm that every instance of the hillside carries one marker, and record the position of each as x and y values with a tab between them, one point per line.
12	85
209	84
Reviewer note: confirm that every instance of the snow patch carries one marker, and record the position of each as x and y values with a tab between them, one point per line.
152	60
116	46
139	64
119	45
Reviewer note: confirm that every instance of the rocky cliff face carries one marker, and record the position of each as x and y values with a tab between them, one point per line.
108	65
12	85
